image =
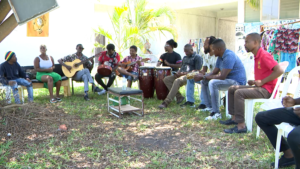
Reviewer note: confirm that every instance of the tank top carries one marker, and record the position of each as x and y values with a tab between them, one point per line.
45	64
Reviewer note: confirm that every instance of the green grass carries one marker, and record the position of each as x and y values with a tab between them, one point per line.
171	138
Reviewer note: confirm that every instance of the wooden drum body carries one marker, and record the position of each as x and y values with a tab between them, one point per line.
161	89
146	80
104	70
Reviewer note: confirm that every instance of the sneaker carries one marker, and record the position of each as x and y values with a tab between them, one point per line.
188	104
235	130
284	162
102	92
86	97
163	105
53	101
228	122
214	116
58	99
97	89
179	100
201	106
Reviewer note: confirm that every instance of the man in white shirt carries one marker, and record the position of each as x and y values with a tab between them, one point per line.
209	64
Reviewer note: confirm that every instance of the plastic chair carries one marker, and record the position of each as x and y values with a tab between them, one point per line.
8	93
276	103
249	103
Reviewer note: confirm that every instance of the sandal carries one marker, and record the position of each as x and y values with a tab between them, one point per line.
53	101
58	99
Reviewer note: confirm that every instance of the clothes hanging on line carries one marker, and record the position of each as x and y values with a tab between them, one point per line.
291	58
287	40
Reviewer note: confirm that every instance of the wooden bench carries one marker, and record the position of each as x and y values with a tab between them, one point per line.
65	80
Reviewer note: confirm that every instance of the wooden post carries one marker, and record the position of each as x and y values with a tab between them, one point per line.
8	26
4	9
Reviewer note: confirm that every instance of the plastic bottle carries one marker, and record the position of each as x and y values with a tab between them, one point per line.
124	83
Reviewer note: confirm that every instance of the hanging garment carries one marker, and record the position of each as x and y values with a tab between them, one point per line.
266	39
291	58
287	40
272	46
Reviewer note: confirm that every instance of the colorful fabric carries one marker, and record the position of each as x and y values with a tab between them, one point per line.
266	39
131	59
71	58
264	64
291	58
287	40
56	77
9	55
111	61
272	46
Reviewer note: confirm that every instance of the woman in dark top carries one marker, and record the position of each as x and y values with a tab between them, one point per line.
170	58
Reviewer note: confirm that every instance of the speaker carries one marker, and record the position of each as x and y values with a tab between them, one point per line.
27	10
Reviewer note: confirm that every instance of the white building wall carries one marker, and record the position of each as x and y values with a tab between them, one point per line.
69	25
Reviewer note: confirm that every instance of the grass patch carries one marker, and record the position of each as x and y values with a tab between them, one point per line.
171	138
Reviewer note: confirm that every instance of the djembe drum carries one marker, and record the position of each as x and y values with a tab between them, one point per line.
146	80
161	89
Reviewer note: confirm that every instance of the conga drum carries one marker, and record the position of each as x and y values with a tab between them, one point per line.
146	80
159	74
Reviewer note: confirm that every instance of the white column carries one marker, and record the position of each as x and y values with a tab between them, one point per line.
241	11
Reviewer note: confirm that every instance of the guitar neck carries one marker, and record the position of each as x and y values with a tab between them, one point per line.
82	62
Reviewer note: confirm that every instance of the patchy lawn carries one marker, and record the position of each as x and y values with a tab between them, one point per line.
171	138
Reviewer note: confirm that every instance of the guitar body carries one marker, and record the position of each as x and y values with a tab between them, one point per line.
74	69
128	67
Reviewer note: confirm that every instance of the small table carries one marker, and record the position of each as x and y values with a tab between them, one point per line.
121	109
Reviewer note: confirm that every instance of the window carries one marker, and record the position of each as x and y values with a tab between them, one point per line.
270	10
289	9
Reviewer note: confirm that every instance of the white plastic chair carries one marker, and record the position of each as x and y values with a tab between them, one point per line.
277	103
249	103
8	93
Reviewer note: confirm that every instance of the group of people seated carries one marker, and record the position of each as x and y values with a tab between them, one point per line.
218	69
12	74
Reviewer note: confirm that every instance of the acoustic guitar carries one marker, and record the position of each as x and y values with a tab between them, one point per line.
129	66
76	65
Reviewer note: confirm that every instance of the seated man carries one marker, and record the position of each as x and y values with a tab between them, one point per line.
266	72
209	63
232	73
191	61
11	74
83	75
267	121
131	76
112	59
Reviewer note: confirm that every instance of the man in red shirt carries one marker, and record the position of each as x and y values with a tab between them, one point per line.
109	58
266	73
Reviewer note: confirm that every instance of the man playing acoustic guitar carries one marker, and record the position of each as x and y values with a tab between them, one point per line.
132	73
83	75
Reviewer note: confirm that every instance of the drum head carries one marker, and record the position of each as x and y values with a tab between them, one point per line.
104	71
163	68
146	67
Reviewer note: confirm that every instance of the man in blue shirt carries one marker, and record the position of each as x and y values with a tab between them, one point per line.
229	71
11	74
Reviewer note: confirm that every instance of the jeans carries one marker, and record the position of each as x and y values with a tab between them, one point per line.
267	121
210	90
111	79
190	90
130	78
85	76
22	82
